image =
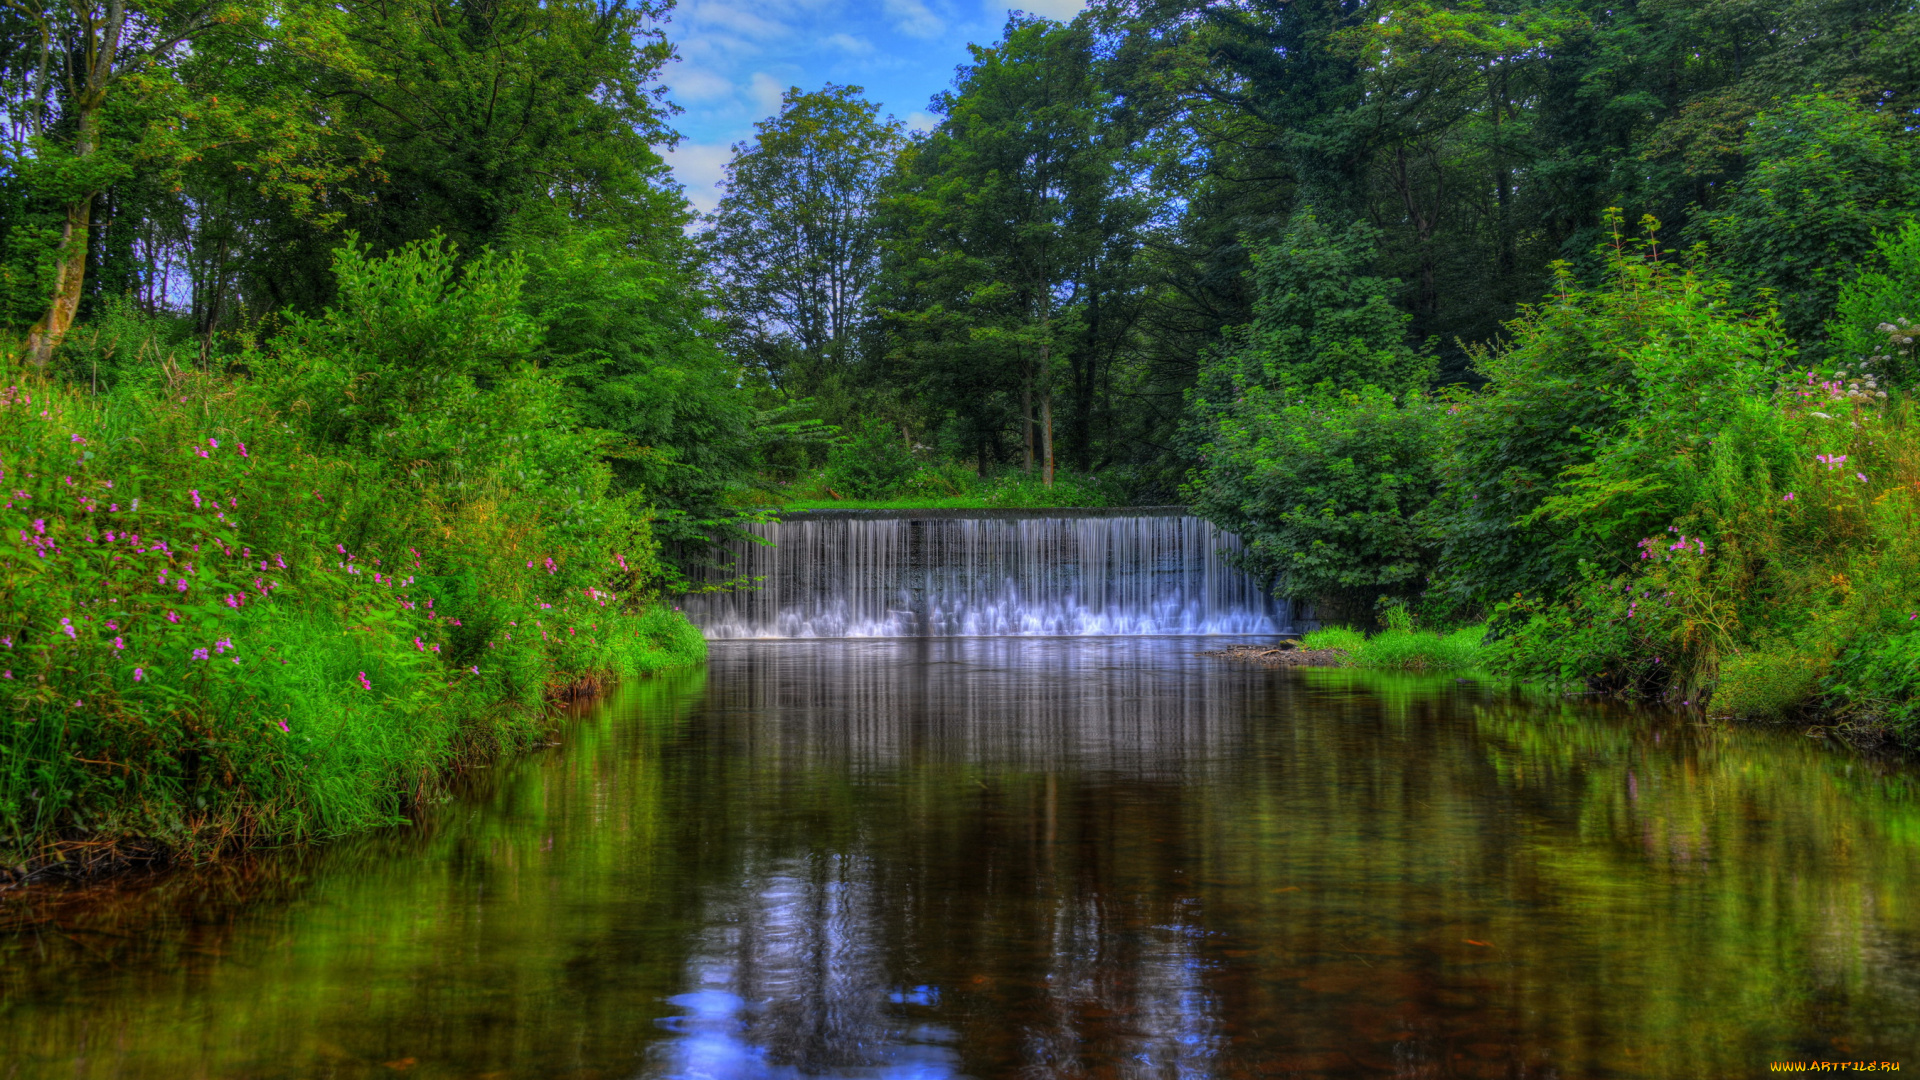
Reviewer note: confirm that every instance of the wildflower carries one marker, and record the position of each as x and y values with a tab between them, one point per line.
199	654
215	443
1788	497
364	683
78	439
223	645
1860	476
66	626
139	674
476	669
196	498
182	584
119	644
243	449
40	526
284	727
173	616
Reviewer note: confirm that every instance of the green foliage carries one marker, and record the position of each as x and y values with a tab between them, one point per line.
1327	493
1319	319
796	237
1878	312
244	610
872	462
1879	679
1825	177
627	336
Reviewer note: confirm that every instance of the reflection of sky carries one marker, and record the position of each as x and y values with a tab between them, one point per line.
790	980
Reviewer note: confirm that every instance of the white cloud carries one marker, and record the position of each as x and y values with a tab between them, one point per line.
848	43
1063	10
743	19
700	167
921	120
692	84
766	91
912	18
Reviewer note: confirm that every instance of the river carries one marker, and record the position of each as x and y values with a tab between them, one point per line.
1035	857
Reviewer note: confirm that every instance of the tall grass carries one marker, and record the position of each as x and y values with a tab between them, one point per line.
1401	646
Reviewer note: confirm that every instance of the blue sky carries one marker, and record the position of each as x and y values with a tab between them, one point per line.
738	56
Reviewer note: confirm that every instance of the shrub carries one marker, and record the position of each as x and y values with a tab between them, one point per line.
1879	679
244	610
1328	493
873	461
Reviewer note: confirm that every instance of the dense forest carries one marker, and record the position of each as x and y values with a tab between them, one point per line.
1588	323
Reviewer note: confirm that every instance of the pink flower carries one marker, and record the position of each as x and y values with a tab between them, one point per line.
284	727
196	498
139	674
173	616
215	443
1862	477
66	627
243	449
1788	497
119	644
365	684
199	654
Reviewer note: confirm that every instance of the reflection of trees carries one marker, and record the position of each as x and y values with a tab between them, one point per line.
1064	858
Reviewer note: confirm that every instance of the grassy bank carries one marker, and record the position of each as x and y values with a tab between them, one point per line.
1402	647
280	605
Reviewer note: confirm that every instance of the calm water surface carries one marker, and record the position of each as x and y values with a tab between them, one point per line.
998	858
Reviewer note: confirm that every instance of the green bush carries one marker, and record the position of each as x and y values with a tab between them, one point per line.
1879	679
872	461
242	610
1328	492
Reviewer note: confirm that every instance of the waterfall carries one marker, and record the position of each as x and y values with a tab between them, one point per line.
842	574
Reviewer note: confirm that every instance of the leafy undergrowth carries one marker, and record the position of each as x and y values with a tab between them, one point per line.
228	617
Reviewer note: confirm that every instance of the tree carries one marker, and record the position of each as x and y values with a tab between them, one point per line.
1013	223
795	239
108	87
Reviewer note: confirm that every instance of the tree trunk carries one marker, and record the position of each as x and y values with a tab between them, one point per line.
1026	422
70	267
70	278
1046	438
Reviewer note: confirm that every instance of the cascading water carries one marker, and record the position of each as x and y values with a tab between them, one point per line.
842	575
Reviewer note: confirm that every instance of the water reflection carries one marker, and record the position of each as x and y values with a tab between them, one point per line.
1040	858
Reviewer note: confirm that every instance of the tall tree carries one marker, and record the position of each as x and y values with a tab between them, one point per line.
795	238
1013	220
